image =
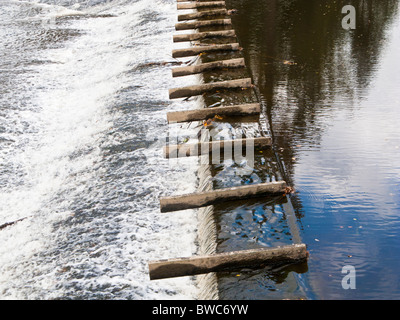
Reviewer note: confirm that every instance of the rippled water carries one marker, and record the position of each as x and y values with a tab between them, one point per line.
333	105
84	96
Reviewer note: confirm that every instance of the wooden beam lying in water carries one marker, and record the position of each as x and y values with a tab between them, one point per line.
8	224
196	4
207	113
202	14
185	71
229	261
199	24
198	0
180	53
203	148
203	35
209	87
203	199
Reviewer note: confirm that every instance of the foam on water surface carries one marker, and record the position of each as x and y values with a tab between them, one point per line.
81	134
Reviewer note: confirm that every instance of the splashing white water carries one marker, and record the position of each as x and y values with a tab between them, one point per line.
76	159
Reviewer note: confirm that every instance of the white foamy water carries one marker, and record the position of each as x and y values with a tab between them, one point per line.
82	120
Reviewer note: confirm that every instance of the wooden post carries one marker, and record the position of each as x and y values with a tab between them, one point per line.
207	113
196	4
199	24
208	87
203	35
230	261
180	53
203	148
202	14
185	71
203	199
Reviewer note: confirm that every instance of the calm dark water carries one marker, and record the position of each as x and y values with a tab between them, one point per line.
332	100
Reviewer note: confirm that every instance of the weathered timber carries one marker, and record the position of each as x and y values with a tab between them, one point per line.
194	5
207	113
199	24
208	87
203	199
5	225
202	14
180	53
196	0
185	71
229	261
202	148
203	35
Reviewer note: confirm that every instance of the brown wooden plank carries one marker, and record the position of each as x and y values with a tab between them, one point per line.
206	23
229	261
203	199
222	64
196	4
202	148
202	14
203	35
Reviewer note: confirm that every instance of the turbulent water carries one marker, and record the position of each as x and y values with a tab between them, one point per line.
332	100
83	102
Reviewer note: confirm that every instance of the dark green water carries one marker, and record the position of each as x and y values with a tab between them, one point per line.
333	104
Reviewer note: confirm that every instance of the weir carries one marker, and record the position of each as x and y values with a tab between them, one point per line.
228	96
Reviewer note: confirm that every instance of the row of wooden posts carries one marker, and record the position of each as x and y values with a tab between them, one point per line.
231	261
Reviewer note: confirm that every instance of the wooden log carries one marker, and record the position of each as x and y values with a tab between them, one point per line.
203	35
229	261
208	87
202	14
199	24
185	71
202	148
203	199
5	225
207	113
180	53
194	4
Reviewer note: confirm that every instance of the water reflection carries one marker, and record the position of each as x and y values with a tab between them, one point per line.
331	97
